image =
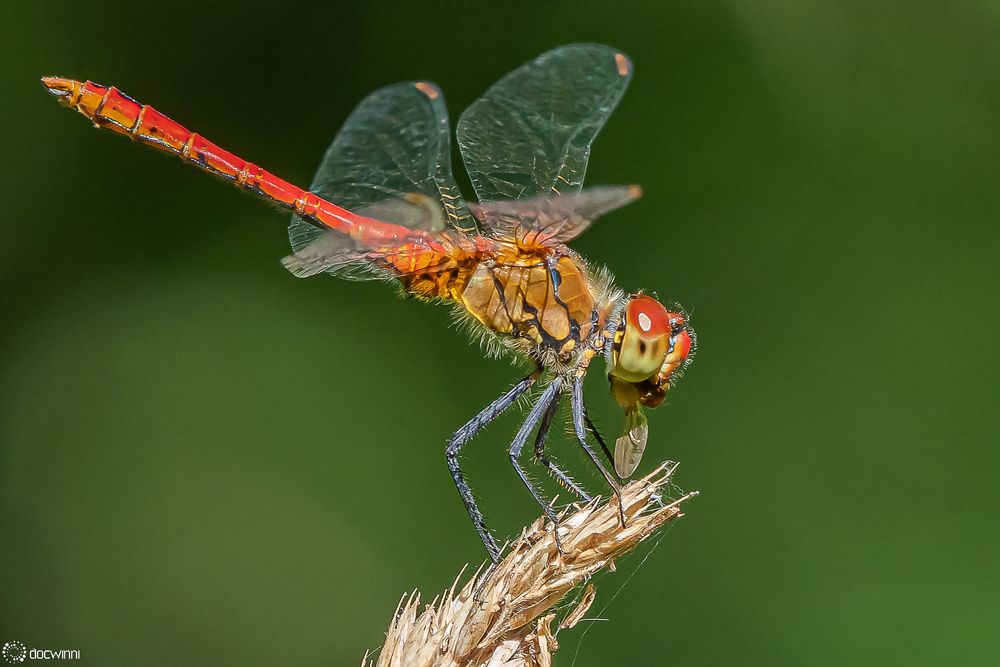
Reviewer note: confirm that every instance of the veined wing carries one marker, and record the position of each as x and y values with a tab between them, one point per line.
391	161
531	132
549	219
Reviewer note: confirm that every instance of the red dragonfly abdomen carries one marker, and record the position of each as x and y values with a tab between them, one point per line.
108	107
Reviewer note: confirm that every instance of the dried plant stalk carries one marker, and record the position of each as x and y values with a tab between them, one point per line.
502	617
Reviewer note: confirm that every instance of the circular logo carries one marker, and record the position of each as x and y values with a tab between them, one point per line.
14	652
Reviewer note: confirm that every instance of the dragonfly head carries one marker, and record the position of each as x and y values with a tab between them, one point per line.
650	342
652	346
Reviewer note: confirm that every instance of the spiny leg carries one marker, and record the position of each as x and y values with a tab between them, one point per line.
580	428
597	435
464	435
543	431
534	417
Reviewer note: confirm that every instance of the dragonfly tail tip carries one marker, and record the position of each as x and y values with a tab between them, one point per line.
60	87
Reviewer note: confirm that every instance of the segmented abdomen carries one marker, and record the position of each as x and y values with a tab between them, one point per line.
110	108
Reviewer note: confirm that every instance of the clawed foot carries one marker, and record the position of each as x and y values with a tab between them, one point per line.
558	541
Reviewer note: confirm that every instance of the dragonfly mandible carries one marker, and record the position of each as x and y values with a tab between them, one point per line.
384	205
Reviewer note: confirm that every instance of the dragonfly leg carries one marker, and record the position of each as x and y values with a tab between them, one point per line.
564	479
464	435
547	399
597	436
580	428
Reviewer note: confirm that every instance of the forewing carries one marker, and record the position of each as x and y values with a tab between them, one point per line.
390	161
549	218
531	132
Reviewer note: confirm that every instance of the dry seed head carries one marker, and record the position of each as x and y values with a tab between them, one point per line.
502	616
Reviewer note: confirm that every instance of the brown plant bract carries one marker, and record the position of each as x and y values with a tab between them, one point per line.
502	617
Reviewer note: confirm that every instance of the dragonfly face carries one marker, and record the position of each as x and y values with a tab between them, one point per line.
652	345
646	332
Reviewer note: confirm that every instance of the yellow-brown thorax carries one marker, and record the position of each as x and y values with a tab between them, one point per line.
518	289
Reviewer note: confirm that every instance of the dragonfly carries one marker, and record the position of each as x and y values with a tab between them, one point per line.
384	205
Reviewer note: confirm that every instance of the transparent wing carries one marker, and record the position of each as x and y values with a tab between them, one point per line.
333	253
631	442
550	218
340	256
531	132
390	161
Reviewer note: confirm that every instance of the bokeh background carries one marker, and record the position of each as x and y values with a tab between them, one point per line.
206	461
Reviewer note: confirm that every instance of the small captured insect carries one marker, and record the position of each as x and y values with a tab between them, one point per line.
384	205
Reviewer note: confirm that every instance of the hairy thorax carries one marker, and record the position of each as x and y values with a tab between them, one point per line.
532	293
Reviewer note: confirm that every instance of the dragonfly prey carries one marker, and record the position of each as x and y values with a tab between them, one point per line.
384	205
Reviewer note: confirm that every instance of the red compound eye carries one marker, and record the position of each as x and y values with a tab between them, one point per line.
647	317
683	344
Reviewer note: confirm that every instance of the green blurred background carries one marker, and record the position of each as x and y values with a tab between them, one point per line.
206	461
